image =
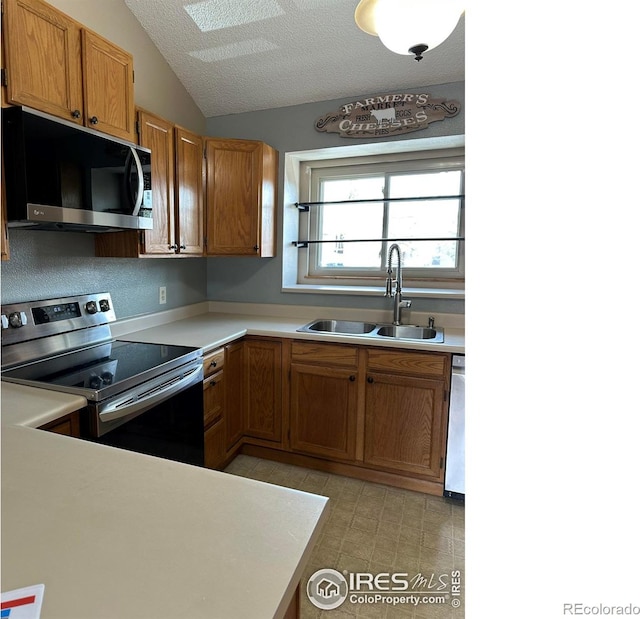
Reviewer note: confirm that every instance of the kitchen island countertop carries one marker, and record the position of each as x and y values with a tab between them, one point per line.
111	533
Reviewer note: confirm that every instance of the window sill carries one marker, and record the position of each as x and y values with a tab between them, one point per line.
373	291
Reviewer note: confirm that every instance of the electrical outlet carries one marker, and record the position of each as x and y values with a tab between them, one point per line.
162	298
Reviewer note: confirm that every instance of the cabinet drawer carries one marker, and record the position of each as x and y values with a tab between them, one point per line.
420	363
333	354
213	361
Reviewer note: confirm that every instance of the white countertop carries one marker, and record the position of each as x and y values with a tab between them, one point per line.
118	534
215	328
27	406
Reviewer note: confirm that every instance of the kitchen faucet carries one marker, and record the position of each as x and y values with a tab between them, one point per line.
398	303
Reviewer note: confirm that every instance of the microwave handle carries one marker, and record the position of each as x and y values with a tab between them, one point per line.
138	201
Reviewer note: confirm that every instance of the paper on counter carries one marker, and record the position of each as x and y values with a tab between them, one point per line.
22	603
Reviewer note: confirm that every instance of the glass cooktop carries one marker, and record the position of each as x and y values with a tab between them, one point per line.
104	367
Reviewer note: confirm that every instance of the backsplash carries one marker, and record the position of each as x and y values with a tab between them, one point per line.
46	265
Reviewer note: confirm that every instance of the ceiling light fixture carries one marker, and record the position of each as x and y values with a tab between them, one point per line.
411	26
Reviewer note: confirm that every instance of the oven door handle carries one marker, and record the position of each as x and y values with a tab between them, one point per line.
157	392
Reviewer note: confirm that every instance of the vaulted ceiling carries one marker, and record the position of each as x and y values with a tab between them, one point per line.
245	55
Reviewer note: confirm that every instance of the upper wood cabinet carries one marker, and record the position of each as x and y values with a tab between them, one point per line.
241	179
177	178
189	192
55	65
157	134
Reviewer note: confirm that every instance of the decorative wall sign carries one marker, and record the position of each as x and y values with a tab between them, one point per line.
387	115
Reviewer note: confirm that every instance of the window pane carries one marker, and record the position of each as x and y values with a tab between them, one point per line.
341	221
428	218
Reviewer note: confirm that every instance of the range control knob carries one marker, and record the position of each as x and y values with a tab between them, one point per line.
104	305
95	382
17	319
107	378
91	307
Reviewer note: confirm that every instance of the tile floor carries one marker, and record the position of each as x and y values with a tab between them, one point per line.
374	528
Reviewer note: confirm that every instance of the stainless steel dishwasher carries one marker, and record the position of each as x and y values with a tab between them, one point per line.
454	466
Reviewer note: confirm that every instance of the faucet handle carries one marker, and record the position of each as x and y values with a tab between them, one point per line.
431	322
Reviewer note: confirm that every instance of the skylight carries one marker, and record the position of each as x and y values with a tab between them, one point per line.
218	14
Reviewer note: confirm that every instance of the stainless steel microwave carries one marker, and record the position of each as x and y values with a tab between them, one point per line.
60	176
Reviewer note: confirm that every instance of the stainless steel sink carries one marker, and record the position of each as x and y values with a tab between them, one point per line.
369	329
344	327
411	332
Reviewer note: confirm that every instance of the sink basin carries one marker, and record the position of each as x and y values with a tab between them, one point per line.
372	330
348	327
411	332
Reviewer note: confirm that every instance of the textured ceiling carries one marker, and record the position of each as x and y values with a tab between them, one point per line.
244	55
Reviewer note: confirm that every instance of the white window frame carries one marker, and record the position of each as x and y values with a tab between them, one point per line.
297	189
308	270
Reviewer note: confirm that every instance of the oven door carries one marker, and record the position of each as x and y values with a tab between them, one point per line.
162	417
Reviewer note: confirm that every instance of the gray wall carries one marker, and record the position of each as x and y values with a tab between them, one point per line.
46	265
292	129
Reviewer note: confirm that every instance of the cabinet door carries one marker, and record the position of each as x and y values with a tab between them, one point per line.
403	424
263	388
214	446
108	87
44	69
323	411
234	394
157	134
189	192
213	398
241	178
69	425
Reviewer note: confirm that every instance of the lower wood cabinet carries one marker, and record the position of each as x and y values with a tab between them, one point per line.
69	425
405	411
263	388
373	413
234	395
403	423
323	400
214	420
215	453
323	411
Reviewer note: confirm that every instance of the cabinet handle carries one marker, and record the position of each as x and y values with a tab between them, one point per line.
174	247
369	379
76	114
212	383
213	364
256	247
183	247
93	120
352	378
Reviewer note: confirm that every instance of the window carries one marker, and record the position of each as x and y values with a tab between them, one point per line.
358	207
